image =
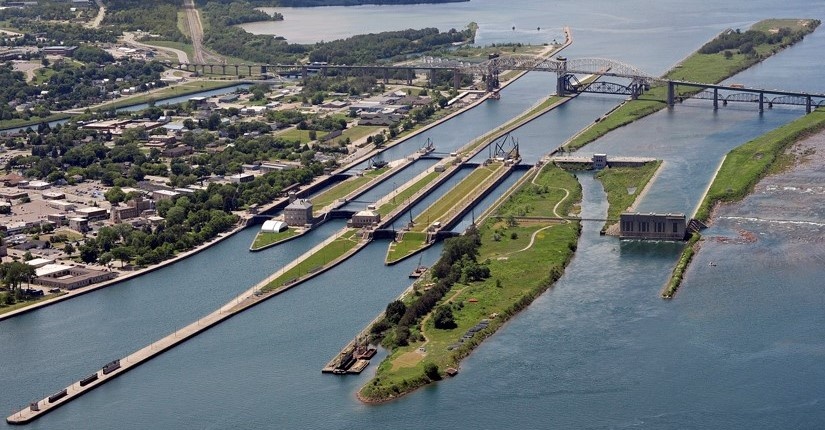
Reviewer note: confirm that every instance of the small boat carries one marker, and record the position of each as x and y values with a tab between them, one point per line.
419	270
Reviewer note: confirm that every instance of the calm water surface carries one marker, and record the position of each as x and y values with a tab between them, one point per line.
739	347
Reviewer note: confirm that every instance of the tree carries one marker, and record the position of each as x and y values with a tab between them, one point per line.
431	371
378	139
15	273
395	310
115	195
68	249
444	318
122	253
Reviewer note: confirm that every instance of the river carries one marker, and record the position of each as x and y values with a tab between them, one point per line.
739	347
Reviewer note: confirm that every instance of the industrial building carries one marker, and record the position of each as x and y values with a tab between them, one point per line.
653	226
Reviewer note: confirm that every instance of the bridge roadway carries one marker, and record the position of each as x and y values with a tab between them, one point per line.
250	297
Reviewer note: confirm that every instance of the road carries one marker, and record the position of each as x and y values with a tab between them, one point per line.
101	12
129	39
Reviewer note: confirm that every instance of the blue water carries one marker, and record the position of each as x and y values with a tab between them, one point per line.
739	347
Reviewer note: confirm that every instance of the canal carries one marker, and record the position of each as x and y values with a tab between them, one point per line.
599	350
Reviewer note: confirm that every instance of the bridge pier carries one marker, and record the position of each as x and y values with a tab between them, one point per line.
716	99
386	75
431	74
224	69
456	79
263	70
761	102
211	69
410	74
236	70
250	71
808	104
671	94
304	73
561	77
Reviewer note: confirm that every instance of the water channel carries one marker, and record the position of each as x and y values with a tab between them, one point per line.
600	350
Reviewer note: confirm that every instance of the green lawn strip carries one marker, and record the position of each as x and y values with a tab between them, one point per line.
185	47
358	132
302	136
619	181
338	191
745	165
166	93
704	68
19	305
449	200
331	251
410	243
679	271
408	192
772	24
183	24
19	122
344	188
517	278
264	239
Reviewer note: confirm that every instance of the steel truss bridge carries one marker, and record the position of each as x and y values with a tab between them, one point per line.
615	77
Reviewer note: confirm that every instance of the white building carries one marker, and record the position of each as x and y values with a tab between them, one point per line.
273	226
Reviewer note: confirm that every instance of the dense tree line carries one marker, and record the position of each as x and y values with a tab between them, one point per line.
370	48
44	10
154	16
235	12
745	42
61	34
456	264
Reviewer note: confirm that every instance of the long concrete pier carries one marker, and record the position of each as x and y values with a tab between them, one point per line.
243	301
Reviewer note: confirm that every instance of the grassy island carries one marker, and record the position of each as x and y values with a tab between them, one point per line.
741	170
726	55
624	185
482	279
266	239
745	165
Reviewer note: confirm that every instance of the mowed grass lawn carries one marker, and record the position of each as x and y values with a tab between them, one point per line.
331	251
618	182
410	243
449	200
293	134
408	192
342	189
264	239
540	198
